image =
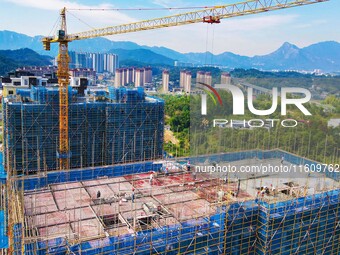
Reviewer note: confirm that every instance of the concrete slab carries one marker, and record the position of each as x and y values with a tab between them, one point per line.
105	191
64	230
39	203
88	229
72	198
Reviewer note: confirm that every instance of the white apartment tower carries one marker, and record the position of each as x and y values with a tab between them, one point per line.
225	78
165	81
187	83
139	78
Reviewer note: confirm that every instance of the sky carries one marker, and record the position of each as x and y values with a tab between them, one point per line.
249	35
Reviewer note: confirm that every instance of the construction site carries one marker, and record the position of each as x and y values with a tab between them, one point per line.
86	174
121	210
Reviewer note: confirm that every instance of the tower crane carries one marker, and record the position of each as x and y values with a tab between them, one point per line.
207	15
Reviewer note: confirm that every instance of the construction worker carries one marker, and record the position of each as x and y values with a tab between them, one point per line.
220	195
151	178
267	191
133	195
166	172
263	191
194	175
225	179
282	160
188	166
273	190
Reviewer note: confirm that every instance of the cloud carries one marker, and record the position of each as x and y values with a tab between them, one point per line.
311	24
54	4
95	17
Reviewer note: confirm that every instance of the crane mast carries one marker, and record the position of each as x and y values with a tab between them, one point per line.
63	81
208	15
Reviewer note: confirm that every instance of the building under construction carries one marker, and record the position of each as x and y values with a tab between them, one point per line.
105	128
106	205
121	210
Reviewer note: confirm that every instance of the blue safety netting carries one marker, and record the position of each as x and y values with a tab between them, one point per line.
2	170
88	174
3	232
127	128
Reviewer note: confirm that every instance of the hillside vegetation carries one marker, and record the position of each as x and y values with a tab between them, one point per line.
12	59
312	138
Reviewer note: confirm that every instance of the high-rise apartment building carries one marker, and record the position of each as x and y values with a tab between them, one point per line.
187	83
118	78
182	78
200	77
100	62
165	81
147	75
208	78
139	78
225	78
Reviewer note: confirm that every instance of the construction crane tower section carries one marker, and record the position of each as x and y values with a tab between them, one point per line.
63	81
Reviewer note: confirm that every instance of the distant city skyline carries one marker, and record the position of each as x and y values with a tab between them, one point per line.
249	35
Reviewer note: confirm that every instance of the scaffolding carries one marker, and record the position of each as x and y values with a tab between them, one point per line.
104	129
174	213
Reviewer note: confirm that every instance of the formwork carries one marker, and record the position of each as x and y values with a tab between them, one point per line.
104	129
175	213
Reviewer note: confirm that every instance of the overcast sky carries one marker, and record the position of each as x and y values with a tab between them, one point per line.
249	35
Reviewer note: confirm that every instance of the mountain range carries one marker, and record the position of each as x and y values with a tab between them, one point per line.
12	59
323	55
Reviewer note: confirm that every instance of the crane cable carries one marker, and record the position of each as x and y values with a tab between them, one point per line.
54	28
206	61
212	45
80	19
206	45
142	9
131	9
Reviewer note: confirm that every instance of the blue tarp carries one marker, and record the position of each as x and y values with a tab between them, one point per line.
88	174
3	234
3	237
2	170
